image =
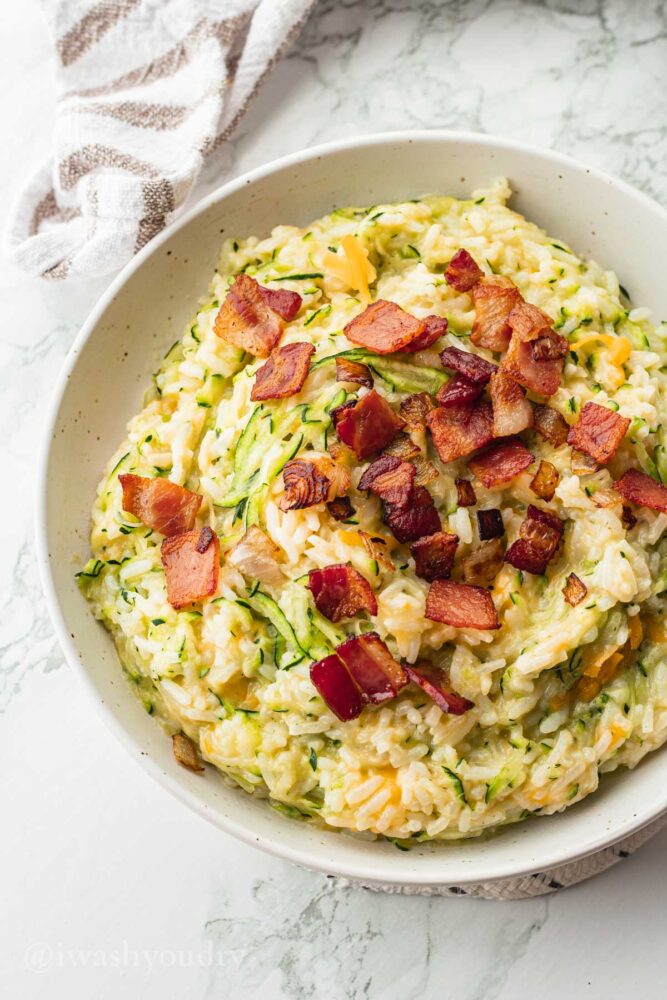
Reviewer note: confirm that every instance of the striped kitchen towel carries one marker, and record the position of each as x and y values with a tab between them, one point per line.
147	89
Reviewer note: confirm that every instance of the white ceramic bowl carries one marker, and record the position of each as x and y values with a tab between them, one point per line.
144	311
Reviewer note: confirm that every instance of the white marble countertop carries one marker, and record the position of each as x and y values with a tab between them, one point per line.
109	888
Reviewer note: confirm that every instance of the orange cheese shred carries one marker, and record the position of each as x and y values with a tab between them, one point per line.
352	266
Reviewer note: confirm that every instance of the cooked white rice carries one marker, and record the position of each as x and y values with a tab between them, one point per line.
403	769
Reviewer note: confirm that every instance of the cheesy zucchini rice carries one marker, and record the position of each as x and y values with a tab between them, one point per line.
568	686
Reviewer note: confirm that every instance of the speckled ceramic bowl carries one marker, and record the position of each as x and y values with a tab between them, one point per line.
101	387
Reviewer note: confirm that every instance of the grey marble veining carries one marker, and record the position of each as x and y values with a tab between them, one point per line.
113	889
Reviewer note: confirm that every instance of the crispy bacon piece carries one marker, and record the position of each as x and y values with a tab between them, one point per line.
482	565
458	431
191	565
282	301
501	462
185	752
471	366
353	371
550	425
246	321
389	478
490	524
434	555
494	297
461	605
434	328
512	412
256	556
462	271
544	482
465	493
539	538
383	327
535	354
402	447
415	409
458	391
369	425
433	681
642	490
574	590
162	505
372	667
341	508
598	432
336	687
312	480
414	519
284	373
341	592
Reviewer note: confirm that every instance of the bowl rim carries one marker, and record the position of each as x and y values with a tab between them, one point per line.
377	870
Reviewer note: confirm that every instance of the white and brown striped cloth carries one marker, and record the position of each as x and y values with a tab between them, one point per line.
147	89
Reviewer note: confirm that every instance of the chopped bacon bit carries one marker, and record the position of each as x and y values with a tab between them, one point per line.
415	409
312	480
336	687
529	322
461	605
432	680
389	478
284	373
494	298
384	328
282	301
598	432
162	505
482	565
535	355
339	412
628	518
426	471
501	462
642	490
191	570
465	493
540	535
458	391
353	371
550	425
470	365
414	519
341	592
462	271
574	590
581	464
341	508
369	425
490	524
246	321
512	412
375	547
256	556
544	482
372	667
434	555
434	328
185	753
459	431
402	447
